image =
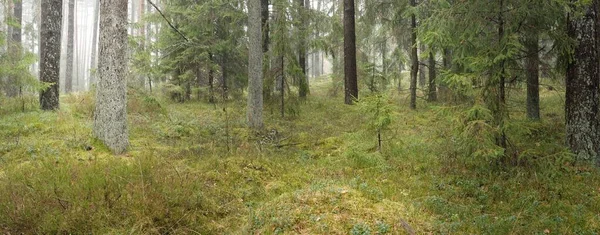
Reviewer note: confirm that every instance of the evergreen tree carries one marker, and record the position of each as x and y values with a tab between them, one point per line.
50	38
110	116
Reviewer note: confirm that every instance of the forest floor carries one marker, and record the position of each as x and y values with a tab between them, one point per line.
194	168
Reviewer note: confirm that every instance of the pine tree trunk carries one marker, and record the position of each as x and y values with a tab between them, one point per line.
264	12
110	116
414	69
532	66
70	38
302	26
422	72
94	58
15	48
255	57
432	96
350	76
50	36
581	104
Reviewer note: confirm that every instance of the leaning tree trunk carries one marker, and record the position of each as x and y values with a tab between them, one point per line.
532	66
110	116
255	57
581	104
70	38
414	68
50	52
350	80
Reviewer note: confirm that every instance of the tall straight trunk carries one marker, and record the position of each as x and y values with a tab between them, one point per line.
350	76
422	72
15	48
93	64
581	104
500	111
264	12
414	68
70	38
432	96
303	89
110	116
255	58
50	36
532	66
211	80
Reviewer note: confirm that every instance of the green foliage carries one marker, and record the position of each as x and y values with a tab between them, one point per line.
321	177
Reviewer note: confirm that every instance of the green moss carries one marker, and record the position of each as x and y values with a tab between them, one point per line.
193	168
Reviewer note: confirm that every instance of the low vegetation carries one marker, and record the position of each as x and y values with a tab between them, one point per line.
194	168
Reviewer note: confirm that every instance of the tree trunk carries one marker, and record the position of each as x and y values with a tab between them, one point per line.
581	104
422	72
110	116
70	38
255	57
264	6
414	68
432	96
302	26
500	111
532	66
50	36
350	78
16	49
93	64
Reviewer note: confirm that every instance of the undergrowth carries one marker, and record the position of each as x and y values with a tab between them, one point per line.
193	168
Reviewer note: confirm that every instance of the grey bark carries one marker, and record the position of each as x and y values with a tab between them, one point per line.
255	57
110	116
50	36
70	39
414	68
581	104
15	48
532	66
94	58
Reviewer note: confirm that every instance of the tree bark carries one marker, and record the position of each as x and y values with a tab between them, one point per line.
264	6
110	116
94	58
70	38
581	104
350	76
532	66
255	57
303	89
16	49
414	68
50	36
432	96
422	72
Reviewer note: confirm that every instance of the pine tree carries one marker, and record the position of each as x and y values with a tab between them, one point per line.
50	38
255	57
350	76
110	116
581	104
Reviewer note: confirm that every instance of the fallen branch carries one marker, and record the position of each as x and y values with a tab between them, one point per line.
168	22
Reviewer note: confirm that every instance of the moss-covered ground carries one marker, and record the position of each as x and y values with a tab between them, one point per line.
194	168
